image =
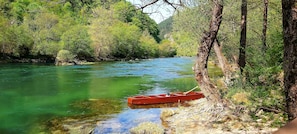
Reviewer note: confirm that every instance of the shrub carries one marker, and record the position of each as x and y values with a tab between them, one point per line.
65	56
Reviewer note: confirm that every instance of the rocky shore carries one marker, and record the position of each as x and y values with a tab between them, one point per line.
196	117
205	118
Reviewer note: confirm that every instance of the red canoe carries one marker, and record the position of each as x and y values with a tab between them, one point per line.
165	98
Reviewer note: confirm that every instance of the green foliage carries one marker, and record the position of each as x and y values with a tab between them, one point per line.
165	27
124	11
23	41
188	27
44	29
114	38
185	44
261	83
148	46
13	39
87	29
274	52
144	22
264	68
167	48
229	34
18	10
65	56
5	36
127	13
126	40
100	34
77	41
5	7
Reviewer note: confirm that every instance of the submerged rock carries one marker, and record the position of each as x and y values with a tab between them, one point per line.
147	128
92	111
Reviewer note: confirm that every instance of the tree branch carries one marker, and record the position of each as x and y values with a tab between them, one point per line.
151	3
172	4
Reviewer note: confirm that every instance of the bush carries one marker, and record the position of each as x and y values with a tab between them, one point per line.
78	42
65	56
167	48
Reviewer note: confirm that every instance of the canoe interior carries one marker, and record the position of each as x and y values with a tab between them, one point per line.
164	98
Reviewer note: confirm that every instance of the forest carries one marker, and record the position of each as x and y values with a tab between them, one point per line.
72	29
252	42
263	74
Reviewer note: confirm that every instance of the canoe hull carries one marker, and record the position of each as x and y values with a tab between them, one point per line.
164	98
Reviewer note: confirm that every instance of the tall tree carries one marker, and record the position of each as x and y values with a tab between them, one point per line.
6	46
289	9
265	10
45	30
189	24
223	63
242	60
77	41
208	38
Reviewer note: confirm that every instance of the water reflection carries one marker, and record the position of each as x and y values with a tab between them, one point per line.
124	121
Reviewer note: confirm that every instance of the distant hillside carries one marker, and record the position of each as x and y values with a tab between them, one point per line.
165	27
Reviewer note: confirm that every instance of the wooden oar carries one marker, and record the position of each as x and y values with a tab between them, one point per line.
185	93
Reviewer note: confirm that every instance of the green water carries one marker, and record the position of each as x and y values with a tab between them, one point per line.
32	94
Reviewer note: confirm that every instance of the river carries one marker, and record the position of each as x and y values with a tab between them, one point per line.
34	97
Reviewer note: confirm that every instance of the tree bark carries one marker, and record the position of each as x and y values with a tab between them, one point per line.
290	55
224	65
201	73
241	60
264	46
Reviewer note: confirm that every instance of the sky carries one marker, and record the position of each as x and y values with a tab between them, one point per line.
158	11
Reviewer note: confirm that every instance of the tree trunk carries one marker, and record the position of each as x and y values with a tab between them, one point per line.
201	73
290	55
241	61
264	46
225	67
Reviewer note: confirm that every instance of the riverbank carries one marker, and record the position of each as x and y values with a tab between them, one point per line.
53	60
204	118
28	59
197	117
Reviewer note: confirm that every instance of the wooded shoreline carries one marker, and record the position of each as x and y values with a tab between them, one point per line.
32	59
52	60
